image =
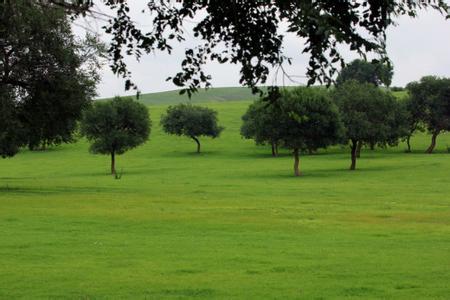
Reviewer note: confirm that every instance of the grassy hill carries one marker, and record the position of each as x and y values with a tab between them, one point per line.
231	222
223	94
203	96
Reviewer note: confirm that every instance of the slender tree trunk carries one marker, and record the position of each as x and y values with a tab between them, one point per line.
358	149
198	143
274	150
354	147
372	146
113	163
296	163
433	142
408	144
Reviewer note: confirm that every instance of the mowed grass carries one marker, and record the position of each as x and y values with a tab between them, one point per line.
231	222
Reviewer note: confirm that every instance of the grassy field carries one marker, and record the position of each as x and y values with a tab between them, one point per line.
231	222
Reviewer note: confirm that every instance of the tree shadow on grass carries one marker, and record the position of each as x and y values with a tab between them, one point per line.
191	154
10	189
337	173
262	155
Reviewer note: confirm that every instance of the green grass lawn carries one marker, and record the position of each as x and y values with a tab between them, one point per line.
231	222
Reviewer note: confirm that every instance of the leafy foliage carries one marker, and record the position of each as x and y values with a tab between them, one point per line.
366	72
116	126
430	98
191	121
309	121
370	115
262	123
51	113
246	33
46	70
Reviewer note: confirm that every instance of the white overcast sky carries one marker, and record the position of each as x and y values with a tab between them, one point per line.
417	47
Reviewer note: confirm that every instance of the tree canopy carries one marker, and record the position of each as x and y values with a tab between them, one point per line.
49	77
247	33
432	96
309	121
54	107
191	121
262	123
365	72
370	115
116	126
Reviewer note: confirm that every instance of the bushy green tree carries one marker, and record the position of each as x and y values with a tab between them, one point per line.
366	72
309	121
370	115
50	73
191	121
432	95
116	126
262	123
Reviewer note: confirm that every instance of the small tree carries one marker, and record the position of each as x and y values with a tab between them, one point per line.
309	121
432	95
262	123
366	72
191	121
370	115
116	126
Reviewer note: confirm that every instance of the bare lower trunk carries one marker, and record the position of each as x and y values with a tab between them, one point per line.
372	146
433	142
296	163
198	143
113	163
358	149
408	144
274	149
354	147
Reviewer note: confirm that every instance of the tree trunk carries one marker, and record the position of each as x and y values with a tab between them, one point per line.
296	163
433	142
372	146
354	147
198	143
274	150
113	163
358	149
408	144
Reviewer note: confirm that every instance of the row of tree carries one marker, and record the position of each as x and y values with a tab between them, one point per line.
302	119
355	113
